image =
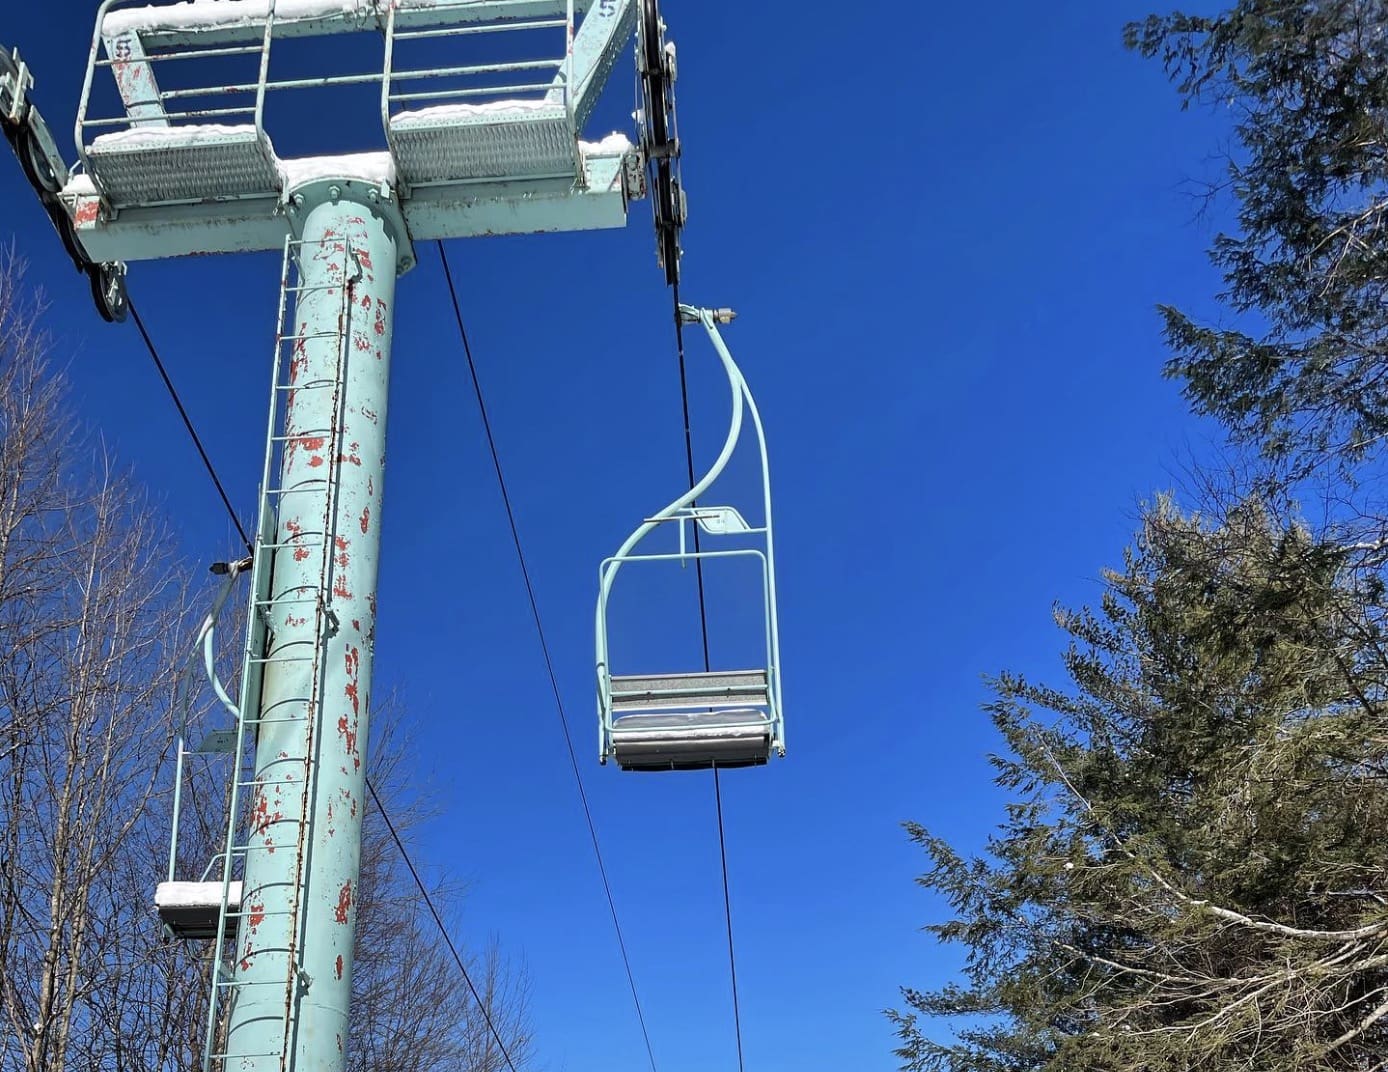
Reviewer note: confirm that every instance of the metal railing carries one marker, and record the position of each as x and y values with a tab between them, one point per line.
133	66
542	79
135	53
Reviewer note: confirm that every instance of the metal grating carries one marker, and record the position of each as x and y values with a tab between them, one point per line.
511	139
158	165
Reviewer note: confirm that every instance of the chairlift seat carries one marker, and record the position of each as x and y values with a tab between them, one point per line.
691	721
190	909
512	139
151	165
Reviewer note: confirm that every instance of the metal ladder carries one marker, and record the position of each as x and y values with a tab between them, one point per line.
266	608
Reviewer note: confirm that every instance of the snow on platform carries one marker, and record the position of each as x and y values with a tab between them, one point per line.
444	114
217	14
142	137
174	895
613	145
375	168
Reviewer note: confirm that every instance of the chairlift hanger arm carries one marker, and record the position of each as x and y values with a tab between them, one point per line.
739	391
207	634
203	645
711	318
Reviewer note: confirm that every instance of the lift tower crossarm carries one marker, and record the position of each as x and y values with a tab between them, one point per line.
248	225
468	158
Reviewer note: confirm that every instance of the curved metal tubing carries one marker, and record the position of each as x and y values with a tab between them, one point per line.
84	100
207	634
741	401
706	317
204	644
177	809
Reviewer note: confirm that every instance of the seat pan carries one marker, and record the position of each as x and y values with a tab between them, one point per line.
694	740
737	722
190	909
728	690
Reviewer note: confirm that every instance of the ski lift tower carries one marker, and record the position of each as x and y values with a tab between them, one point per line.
481	103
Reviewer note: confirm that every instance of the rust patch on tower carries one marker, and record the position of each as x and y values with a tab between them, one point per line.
344	902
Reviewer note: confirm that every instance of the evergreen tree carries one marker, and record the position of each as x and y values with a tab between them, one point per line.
1193	872
1305	376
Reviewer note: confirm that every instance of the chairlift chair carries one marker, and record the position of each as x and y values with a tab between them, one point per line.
711	718
191	909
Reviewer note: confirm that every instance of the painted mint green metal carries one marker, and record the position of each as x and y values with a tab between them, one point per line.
714	521
289	983
189	167
496	150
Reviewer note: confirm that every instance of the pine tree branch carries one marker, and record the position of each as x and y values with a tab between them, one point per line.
1219	912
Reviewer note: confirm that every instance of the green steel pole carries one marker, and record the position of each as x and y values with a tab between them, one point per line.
293	953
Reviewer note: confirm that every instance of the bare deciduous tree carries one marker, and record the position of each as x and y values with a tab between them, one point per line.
94	629
88	611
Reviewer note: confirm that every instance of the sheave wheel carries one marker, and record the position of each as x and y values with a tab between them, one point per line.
108	291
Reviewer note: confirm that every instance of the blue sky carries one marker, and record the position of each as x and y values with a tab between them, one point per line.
945	227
